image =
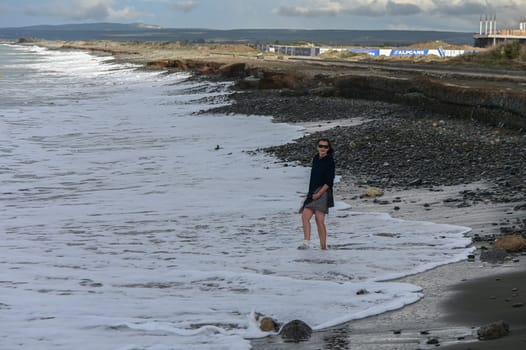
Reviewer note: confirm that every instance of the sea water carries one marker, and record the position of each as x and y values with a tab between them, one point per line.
129	221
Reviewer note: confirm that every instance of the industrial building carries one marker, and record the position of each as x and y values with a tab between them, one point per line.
490	35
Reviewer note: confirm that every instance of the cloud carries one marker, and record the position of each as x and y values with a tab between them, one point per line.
375	8
508	12
402	9
318	8
82	10
125	13
459	8
371	8
185	5
437	14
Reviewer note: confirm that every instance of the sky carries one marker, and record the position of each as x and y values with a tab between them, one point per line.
441	15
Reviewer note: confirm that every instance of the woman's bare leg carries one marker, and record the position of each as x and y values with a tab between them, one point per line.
306	215
322	230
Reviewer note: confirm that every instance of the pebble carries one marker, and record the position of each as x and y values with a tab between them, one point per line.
433	341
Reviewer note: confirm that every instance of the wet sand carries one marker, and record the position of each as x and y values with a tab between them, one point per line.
489	299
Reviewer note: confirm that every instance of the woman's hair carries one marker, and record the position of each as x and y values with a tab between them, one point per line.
329	142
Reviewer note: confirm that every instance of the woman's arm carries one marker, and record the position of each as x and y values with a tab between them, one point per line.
322	190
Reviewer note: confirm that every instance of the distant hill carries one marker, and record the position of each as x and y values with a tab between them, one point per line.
143	32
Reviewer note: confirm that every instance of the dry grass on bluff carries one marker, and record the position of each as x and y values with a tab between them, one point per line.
435	44
512	54
342	55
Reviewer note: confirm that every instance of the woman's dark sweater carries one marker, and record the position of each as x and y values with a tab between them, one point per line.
322	173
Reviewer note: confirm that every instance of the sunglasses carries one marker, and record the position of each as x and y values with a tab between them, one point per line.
323	146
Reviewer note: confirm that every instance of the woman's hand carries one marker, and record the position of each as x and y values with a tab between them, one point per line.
316	196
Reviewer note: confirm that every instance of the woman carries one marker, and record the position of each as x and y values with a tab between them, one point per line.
320	197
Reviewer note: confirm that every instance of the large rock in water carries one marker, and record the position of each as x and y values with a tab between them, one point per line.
296	331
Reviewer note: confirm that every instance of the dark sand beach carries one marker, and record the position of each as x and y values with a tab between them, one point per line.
447	146
485	300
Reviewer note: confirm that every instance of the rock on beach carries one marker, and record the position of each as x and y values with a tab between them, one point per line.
493	330
511	243
296	331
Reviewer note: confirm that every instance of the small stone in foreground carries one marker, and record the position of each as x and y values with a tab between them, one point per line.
296	331
267	324
493	330
433	341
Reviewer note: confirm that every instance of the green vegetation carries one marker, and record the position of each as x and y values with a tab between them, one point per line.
509	54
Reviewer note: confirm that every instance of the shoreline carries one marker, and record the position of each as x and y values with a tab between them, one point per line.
439	315
490	211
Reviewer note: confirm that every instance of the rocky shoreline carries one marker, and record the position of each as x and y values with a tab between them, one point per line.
402	147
